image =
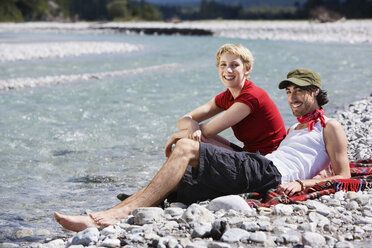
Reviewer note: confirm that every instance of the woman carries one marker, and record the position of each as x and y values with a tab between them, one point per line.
244	107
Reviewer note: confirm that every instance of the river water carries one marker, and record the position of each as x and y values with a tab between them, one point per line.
89	134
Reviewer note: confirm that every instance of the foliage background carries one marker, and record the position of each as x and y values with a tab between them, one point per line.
125	10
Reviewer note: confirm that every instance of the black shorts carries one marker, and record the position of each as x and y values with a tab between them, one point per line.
224	172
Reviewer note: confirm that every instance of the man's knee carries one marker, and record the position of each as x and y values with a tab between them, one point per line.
188	148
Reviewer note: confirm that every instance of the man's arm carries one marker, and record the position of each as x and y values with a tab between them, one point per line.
336	146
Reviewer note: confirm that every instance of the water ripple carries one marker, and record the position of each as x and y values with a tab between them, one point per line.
18	83
17	52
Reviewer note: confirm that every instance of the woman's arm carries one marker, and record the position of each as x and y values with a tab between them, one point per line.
191	120
217	141
237	112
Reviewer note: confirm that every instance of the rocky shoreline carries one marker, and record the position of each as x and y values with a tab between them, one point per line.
349	31
343	219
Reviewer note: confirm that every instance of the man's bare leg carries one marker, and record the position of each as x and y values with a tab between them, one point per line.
165	181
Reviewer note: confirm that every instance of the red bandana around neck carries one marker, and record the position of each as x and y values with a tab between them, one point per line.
312	118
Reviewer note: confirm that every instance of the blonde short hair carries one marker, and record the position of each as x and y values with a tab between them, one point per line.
238	50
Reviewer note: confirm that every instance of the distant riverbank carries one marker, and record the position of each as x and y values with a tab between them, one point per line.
350	31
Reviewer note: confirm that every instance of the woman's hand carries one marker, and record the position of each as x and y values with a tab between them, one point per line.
194	135
289	188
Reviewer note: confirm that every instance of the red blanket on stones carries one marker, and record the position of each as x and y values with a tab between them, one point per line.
361	179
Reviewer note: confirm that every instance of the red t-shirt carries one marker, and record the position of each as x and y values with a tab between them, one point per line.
263	129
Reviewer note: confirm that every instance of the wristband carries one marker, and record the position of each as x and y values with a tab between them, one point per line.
302	184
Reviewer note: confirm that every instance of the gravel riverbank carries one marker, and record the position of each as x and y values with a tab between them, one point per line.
349	31
343	219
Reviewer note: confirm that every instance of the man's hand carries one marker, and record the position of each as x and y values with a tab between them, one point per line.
168	146
289	188
173	140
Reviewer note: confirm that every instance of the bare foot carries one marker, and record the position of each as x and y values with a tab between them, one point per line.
109	217
75	223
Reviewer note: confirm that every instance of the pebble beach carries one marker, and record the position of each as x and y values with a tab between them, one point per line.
343	219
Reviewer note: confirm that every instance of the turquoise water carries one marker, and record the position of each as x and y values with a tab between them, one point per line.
75	146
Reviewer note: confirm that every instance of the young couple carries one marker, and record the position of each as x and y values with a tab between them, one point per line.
202	165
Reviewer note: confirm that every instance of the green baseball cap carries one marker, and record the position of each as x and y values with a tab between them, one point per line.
302	77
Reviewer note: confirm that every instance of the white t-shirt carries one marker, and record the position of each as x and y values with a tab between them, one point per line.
301	155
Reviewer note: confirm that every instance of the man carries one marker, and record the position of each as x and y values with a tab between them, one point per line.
308	148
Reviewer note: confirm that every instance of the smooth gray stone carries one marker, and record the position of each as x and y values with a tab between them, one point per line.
8	245
362	200
339	195
42	232
57	243
330	240
265	226
168	242
318	218
178	205
352	205
313	239
23	233
258	237
198	244
344	244
334	203
309	227
229	202
280	229
250	226
215	244
147	215
283	209
303	209
290	237
108	231
136	238
85	237
235	235
202	230
362	220
173	213
358	229
198	213
351	195
112	243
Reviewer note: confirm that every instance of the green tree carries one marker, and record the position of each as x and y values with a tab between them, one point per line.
119	10
130	10
212	10
89	10
9	12
150	13
23	10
